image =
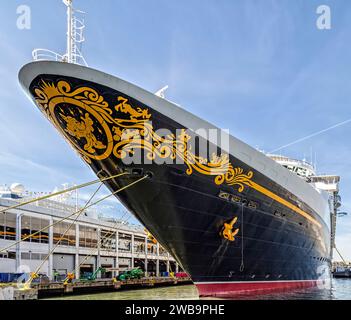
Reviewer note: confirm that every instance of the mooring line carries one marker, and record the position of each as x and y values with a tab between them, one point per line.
106	237
28	283
35	273
57	222
87	184
335	247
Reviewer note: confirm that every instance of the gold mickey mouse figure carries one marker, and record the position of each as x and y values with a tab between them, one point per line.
227	231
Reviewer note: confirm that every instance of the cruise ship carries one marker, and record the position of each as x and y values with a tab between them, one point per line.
236	220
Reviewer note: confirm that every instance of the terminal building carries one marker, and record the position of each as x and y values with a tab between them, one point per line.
92	242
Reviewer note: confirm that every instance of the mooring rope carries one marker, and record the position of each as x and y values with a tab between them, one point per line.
94	250
340	254
34	274
59	221
87	184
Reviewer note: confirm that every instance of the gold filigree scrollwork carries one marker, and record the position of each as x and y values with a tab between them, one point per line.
91	126
235	177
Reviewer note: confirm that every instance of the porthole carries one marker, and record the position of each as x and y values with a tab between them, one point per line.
149	174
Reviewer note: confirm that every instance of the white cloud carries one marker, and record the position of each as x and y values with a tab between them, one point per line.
13	167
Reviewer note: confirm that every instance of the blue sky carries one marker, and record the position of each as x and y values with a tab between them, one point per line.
258	67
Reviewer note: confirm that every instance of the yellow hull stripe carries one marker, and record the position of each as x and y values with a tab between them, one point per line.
284	202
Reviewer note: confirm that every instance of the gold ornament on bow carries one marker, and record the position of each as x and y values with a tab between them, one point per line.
98	132
227	231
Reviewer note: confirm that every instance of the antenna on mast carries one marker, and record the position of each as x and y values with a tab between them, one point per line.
75	37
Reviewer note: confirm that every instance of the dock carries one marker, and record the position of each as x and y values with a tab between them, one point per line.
52	289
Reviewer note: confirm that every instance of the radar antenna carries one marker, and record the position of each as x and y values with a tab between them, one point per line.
75	38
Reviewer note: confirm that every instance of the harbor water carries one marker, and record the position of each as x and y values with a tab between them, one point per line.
340	290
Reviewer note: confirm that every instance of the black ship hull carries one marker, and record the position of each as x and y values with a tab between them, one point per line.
233	231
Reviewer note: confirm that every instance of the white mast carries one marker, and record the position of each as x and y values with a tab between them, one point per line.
68	3
75	29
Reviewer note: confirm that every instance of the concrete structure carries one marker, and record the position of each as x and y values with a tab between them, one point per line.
89	244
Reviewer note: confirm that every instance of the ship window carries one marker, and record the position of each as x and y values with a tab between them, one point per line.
35	256
8	226
252	205
35	226
2	226
236	199
25	255
32	225
64	234
88	237
108	240
11	255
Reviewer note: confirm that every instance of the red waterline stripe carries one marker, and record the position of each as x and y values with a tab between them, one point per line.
232	289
